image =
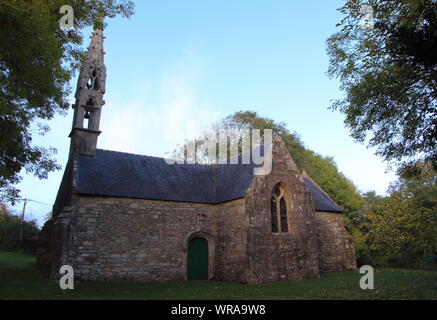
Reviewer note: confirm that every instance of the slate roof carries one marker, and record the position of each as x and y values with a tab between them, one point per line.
127	175
321	200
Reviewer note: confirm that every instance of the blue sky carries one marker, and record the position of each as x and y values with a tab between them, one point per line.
177	66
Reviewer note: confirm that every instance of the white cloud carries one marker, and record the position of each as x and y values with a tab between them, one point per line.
155	121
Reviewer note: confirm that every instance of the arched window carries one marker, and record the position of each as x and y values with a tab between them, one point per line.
278	207
93	81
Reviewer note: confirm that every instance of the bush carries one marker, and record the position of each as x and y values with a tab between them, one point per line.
10	241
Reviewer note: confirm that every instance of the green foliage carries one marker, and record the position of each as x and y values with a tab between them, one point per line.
49	216
323	170
389	76
3	209
37	61
400	230
10	229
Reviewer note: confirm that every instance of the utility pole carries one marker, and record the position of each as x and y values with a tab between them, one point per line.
22	219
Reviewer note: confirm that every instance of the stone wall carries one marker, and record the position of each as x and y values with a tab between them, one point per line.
336	248
106	238
65	191
281	256
232	228
145	240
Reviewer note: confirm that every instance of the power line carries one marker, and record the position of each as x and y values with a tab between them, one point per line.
45	204
39	202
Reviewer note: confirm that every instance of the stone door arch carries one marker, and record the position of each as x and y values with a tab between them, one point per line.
197	259
199	256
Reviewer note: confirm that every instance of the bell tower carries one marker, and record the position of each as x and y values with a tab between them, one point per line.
89	99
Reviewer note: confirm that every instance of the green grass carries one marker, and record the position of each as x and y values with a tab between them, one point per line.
20	278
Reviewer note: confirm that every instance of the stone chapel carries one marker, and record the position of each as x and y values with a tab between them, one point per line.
120	216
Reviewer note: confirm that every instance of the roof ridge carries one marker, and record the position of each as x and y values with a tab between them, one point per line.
147	156
211	165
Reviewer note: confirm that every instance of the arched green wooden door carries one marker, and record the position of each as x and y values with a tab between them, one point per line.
197	260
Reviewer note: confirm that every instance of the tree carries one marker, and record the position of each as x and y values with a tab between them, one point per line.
11	227
322	169
388	71
37	61
48	216
4	210
399	230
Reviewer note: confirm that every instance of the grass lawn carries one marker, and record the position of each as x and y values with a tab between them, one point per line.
21	279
